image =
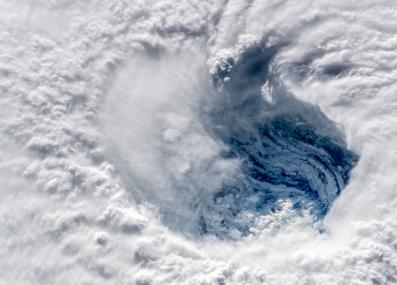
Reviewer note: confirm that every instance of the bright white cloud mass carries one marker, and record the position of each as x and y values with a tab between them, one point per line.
198	142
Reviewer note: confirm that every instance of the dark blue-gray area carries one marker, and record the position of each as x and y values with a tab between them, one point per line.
289	149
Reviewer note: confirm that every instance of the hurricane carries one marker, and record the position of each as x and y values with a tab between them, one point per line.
198	142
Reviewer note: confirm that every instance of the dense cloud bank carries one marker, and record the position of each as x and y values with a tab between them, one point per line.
122	121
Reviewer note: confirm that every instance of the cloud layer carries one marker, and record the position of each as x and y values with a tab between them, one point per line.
77	75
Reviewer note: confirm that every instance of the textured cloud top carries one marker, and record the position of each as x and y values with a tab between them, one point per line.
198	142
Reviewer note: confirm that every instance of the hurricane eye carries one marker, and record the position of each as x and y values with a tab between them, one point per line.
290	152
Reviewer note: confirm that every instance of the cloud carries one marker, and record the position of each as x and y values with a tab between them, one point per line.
72	214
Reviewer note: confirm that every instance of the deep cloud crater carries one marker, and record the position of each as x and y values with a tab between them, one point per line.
290	150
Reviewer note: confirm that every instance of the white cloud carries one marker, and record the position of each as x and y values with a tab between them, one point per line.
71	213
